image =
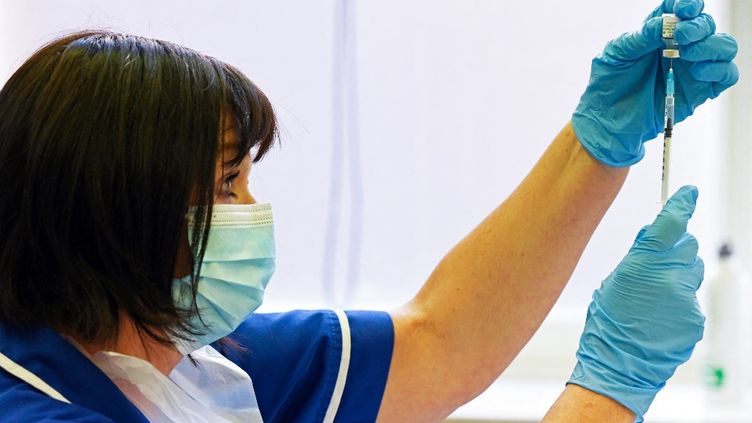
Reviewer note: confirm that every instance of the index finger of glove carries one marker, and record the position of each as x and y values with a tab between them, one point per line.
671	223
694	30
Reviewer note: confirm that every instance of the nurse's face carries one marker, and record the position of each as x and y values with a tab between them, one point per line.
231	183
230	187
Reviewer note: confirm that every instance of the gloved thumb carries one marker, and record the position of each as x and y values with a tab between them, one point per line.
671	223
684	9
634	45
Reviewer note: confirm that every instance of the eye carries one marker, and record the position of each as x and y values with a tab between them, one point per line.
227	184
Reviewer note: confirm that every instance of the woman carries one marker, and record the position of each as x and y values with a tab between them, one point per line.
132	252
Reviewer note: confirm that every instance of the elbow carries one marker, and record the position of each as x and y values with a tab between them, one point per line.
450	370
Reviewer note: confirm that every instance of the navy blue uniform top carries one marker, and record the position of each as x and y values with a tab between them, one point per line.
297	361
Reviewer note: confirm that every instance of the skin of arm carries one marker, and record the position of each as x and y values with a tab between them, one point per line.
577	404
490	293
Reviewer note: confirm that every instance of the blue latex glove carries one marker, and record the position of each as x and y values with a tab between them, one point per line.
623	105
644	320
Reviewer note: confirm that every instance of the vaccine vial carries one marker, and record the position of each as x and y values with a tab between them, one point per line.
669	26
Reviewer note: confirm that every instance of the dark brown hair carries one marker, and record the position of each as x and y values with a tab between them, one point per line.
105	139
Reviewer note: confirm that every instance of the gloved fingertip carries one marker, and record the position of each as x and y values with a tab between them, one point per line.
667	6
732	75
728	43
671	223
683	202
687	191
718	47
688	9
653	28
726	73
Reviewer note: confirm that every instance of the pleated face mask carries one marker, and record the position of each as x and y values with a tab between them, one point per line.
238	263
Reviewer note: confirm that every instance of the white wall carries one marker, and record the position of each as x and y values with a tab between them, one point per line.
457	100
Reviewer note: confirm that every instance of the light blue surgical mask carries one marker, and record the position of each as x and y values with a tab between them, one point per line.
238	263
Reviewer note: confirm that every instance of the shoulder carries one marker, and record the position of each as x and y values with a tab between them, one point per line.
308	365
22	403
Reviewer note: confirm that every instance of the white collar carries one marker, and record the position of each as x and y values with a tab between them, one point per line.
213	390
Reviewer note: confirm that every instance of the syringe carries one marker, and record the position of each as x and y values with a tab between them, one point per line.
671	52
667	133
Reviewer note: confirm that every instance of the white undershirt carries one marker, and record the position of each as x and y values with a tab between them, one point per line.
213	390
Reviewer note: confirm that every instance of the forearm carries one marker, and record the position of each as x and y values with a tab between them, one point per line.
491	292
577	404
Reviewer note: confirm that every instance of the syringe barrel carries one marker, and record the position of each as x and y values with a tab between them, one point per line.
670	108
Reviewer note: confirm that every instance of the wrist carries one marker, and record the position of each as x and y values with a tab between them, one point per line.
583	163
611	149
581	405
619	386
